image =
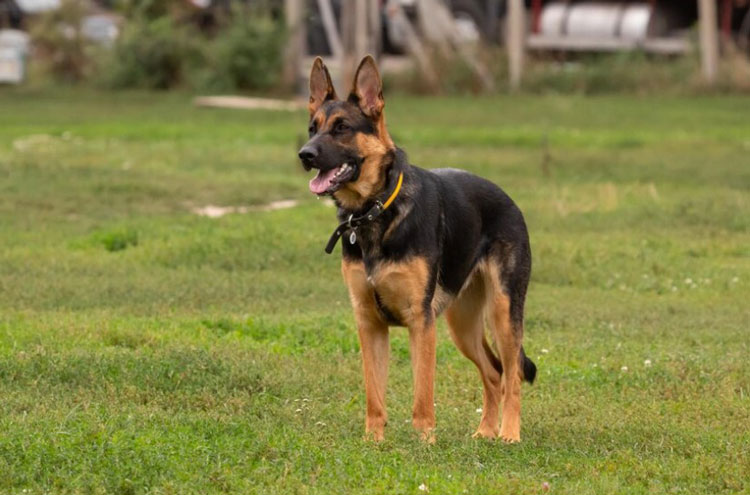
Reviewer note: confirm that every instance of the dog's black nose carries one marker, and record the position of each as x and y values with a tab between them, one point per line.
308	153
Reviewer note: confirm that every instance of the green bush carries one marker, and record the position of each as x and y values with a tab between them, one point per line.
151	54
60	47
146	9
629	72
246	54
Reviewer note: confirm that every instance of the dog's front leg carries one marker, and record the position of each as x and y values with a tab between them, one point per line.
422	347
373	339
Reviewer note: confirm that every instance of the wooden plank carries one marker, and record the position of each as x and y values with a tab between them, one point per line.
248	103
664	46
414	45
329	25
516	41
296	46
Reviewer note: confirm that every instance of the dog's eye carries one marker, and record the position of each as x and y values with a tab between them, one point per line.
311	130
341	127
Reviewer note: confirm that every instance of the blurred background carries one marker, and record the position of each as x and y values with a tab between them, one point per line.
170	322
424	46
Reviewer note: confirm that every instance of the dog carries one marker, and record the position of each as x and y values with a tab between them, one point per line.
418	243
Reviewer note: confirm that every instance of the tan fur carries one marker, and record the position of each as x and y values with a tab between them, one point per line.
508	343
440	300
483	294
465	319
368	89
371	181
321	86
373	339
320	119
401	288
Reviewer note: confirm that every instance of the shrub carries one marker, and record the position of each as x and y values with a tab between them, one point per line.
246	54
59	43
635	72
151	54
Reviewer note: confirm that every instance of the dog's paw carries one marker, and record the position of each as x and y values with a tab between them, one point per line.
510	430
428	436
486	432
510	437
426	428
375	436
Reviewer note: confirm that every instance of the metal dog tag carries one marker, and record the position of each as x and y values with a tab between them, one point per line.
353	237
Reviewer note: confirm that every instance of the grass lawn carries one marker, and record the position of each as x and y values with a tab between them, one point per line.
145	349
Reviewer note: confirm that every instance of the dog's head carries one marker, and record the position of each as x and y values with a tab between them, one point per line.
349	143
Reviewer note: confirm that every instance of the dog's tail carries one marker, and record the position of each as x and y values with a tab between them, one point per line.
527	365
529	368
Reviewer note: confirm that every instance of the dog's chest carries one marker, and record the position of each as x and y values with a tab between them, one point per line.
399	288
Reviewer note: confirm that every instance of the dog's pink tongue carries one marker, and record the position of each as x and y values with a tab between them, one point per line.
321	182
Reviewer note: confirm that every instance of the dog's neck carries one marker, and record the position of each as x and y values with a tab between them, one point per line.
394	163
370	235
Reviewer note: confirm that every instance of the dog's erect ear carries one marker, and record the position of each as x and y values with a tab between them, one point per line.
321	87
367	89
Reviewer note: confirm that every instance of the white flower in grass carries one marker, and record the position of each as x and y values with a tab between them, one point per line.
688	281
423	488
479	409
647	363
545	351
624	368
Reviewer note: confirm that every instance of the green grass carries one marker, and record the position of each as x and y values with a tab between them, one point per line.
144	349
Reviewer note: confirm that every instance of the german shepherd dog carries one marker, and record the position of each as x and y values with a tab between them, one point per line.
416	243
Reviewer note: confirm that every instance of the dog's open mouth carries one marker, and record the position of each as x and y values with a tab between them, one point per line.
329	181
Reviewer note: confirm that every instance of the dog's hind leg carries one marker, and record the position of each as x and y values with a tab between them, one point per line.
465	319
506	321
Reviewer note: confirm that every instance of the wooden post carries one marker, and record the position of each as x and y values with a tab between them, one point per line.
354	26
709	40
332	32
376	27
414	47
360	29
296	46
516	41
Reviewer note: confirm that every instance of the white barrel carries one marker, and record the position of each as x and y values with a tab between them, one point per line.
635	19
594	20
552	19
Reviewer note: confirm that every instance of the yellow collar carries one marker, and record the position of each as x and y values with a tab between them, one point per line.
353	222
395	191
